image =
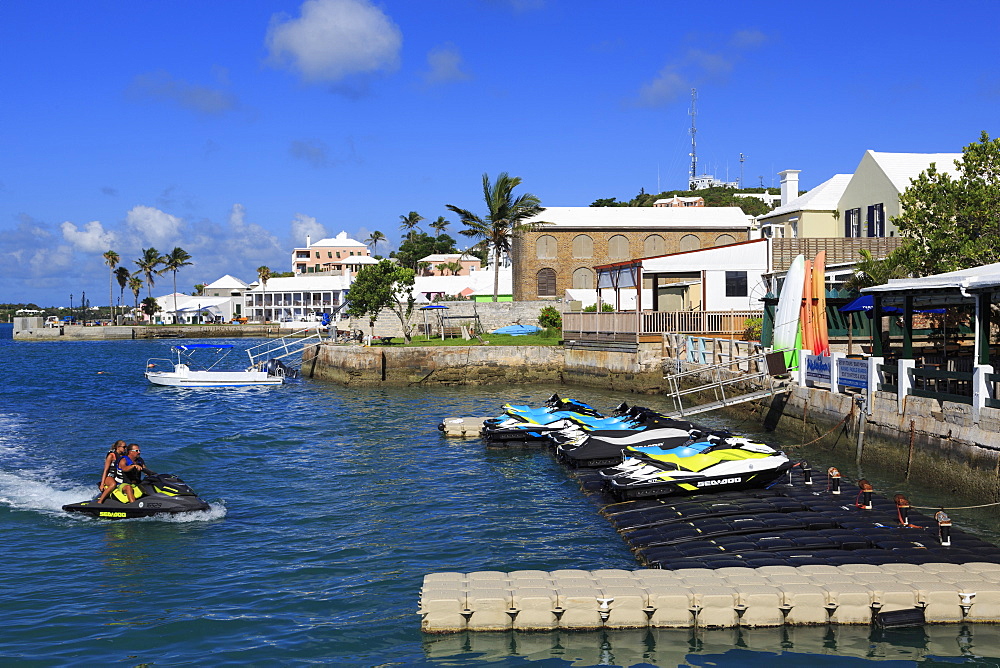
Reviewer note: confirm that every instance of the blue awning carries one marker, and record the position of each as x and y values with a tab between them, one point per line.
866	303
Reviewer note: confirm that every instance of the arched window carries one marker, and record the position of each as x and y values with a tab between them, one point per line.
545	247
725	240
689	242
547	283
583	279
583	246
653	245
618	247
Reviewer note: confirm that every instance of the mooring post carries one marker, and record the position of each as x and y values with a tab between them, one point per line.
862	420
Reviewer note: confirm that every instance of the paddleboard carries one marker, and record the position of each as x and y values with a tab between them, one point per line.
819	300
806	324
786	317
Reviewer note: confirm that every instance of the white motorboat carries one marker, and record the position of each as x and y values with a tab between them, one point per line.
183	375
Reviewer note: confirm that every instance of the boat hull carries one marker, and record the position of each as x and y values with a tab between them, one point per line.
695	484
212	378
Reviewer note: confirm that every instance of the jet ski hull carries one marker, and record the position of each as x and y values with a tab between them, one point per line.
162	494
679	484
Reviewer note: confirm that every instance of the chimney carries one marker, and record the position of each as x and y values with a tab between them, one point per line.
309	238
789	185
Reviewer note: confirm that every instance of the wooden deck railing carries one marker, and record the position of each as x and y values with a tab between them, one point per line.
629	325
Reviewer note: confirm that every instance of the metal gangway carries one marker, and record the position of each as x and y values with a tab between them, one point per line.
764	369
290	344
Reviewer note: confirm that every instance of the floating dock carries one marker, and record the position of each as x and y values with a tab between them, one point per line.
467	427
792	554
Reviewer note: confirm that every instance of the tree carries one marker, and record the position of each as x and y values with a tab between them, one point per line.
379	286
373	241
263	275
150	307
135	285
199	290
122	275
439	225
150	260
111	259
173	261
507	218
954	223
871	271
410	222
420	245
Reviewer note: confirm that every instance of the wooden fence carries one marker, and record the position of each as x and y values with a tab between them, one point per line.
630	326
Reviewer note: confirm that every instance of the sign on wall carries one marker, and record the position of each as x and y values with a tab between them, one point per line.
818	368
853	373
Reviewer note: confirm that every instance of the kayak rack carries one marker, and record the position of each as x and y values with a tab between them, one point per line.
765	370
293	343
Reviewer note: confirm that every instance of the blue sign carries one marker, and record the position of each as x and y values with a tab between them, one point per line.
818	368
852	373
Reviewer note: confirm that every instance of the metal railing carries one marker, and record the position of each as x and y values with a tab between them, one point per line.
293	343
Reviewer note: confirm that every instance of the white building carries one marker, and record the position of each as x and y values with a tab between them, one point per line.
301	298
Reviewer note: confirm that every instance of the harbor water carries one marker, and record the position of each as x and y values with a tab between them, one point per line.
328	506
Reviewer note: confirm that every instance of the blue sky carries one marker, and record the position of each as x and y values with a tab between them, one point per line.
233	128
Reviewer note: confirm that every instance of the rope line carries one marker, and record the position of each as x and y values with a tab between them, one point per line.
835	427
985	505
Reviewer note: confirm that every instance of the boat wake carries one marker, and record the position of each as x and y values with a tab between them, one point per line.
20	491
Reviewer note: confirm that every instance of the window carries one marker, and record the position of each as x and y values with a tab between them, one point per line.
725	240
547	283
583	279
653	245
852	223
338	255
876	220
689	242
317	255
545	247
736	284
583	246
618	247
329	254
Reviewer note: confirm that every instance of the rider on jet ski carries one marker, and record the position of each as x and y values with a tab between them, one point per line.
129	471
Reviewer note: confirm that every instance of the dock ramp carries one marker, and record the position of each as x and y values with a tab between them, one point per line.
277	349
765	371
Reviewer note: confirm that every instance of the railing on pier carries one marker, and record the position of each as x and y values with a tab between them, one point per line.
293	343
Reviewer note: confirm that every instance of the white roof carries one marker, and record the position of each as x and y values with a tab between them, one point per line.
340	241
984	276
356	259
824	197
449	257
901	167
226	282
612	217
742	256
303	282
166	302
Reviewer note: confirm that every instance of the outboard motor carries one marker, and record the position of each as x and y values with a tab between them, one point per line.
275	367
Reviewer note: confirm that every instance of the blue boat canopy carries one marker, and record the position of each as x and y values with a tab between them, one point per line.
518	330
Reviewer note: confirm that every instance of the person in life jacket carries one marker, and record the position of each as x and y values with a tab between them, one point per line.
108	482
130	469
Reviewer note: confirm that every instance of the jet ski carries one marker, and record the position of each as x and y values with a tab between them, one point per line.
720	467
157	494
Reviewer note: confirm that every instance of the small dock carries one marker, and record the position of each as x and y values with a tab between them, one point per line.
792	554
467	427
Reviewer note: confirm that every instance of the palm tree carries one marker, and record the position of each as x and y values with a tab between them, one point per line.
439	225
508	217
409	222
454	267
112	259
374	240
147	264
443	268
869	271
173	261
135	285
122	275
263	274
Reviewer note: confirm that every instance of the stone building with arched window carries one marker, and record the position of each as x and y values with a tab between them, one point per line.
562	254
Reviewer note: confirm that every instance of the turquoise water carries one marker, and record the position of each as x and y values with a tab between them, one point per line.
328	506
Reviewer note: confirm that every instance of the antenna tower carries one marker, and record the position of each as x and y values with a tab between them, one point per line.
742	158
694	131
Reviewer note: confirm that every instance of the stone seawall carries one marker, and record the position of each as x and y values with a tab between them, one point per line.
453	365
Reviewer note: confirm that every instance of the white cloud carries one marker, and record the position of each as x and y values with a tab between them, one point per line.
153	226
313	151
445	65
93	238
333	39
303	226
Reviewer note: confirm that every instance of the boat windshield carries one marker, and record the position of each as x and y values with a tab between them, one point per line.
185	354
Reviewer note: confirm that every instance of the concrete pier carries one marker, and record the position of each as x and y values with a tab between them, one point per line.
705	598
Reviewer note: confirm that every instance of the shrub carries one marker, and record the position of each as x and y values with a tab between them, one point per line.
605	308
752	328
550	317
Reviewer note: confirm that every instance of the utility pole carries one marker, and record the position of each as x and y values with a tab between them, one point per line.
694	131
742	158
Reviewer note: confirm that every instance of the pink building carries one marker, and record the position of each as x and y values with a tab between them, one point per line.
327	255
468	264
